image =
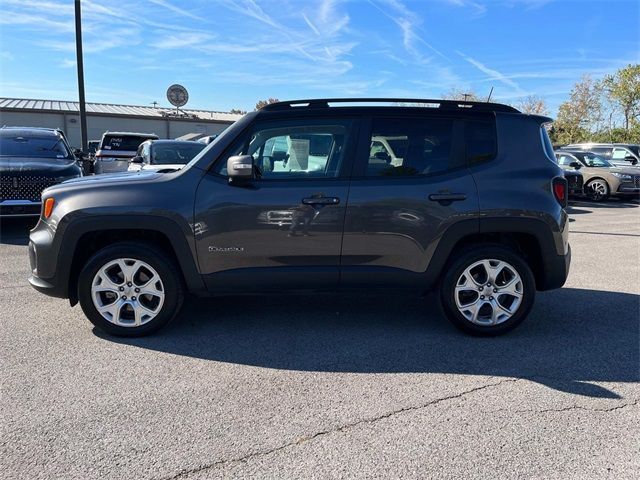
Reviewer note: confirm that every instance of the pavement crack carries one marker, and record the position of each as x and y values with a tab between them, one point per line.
580	407
341	428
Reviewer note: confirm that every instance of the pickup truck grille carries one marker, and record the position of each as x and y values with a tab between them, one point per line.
636	181
23	187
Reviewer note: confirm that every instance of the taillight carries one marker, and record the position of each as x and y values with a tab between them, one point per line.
560	190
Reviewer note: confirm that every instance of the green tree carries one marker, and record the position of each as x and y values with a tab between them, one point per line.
581	115
623	88
534	105
456	93
237	111
264	103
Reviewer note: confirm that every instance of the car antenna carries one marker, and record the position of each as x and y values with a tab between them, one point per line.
489	97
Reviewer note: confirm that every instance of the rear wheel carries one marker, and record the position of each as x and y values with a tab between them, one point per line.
130	289
487	290
597	190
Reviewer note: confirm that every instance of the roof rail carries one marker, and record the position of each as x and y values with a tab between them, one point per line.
414	102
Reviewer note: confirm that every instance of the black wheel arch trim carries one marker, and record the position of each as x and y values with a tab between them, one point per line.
74	230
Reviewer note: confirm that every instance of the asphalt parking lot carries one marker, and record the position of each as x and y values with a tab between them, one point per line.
330	386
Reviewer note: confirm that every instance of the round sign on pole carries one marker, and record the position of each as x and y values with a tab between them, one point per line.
177	95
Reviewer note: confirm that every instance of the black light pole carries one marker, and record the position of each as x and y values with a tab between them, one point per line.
83	111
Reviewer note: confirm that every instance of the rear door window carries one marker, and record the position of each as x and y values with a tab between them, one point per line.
407	147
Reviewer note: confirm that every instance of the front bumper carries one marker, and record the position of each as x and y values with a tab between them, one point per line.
48	275
20	208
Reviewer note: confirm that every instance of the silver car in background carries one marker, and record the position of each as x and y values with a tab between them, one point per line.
117	149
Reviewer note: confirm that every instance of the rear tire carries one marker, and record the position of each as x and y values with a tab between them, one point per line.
487	290
130	289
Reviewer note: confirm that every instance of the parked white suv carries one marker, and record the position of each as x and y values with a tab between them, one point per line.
117	148
164	155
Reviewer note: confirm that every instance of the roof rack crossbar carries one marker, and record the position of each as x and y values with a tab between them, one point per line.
418	102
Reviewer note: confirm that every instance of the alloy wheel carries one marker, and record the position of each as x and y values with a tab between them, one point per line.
597	190
127	292
489	292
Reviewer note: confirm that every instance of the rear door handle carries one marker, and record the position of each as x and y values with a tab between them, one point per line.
321	201
447	198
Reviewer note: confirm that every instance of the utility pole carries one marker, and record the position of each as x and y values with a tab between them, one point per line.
83	110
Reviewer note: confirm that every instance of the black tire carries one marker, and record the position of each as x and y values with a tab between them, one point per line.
596	196
169	274
467	257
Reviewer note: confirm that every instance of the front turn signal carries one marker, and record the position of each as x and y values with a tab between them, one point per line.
48	207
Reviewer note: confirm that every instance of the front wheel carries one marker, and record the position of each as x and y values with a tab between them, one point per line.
487	290
130	289
597	190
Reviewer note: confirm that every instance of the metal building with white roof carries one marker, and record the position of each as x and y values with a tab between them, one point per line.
102	117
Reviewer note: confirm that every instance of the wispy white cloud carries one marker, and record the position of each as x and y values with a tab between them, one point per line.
174	9
36	22
491	73
67	63
182	40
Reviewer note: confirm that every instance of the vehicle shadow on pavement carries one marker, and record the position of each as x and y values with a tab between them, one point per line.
572	337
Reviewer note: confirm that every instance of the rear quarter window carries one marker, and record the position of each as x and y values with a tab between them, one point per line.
480	140
546	144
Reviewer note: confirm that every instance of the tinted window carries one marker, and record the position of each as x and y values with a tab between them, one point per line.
409	147
301	150
122	142
603	151
546	142
481	140
620	153
565	160
175	153
28	146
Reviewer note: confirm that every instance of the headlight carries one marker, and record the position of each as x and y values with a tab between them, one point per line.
623	176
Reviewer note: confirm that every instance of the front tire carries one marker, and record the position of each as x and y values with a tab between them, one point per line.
597	190
130	289
487	290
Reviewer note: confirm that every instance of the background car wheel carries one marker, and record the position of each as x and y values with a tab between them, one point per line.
597	190
130	289
487	290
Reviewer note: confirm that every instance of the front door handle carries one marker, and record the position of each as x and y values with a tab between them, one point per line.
447	198
321	201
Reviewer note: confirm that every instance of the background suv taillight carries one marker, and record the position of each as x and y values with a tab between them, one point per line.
561	190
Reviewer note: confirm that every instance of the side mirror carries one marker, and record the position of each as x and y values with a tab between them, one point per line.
240	167
576	165
631	159
137	159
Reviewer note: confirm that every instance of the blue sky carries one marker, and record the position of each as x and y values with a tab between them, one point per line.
231	53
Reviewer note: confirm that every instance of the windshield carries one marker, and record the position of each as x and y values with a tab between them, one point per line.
173	153
635	149
128	143
35	147
595	161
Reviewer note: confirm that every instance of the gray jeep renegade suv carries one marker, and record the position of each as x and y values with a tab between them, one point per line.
462	198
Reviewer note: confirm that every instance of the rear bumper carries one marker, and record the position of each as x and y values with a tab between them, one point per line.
556	271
